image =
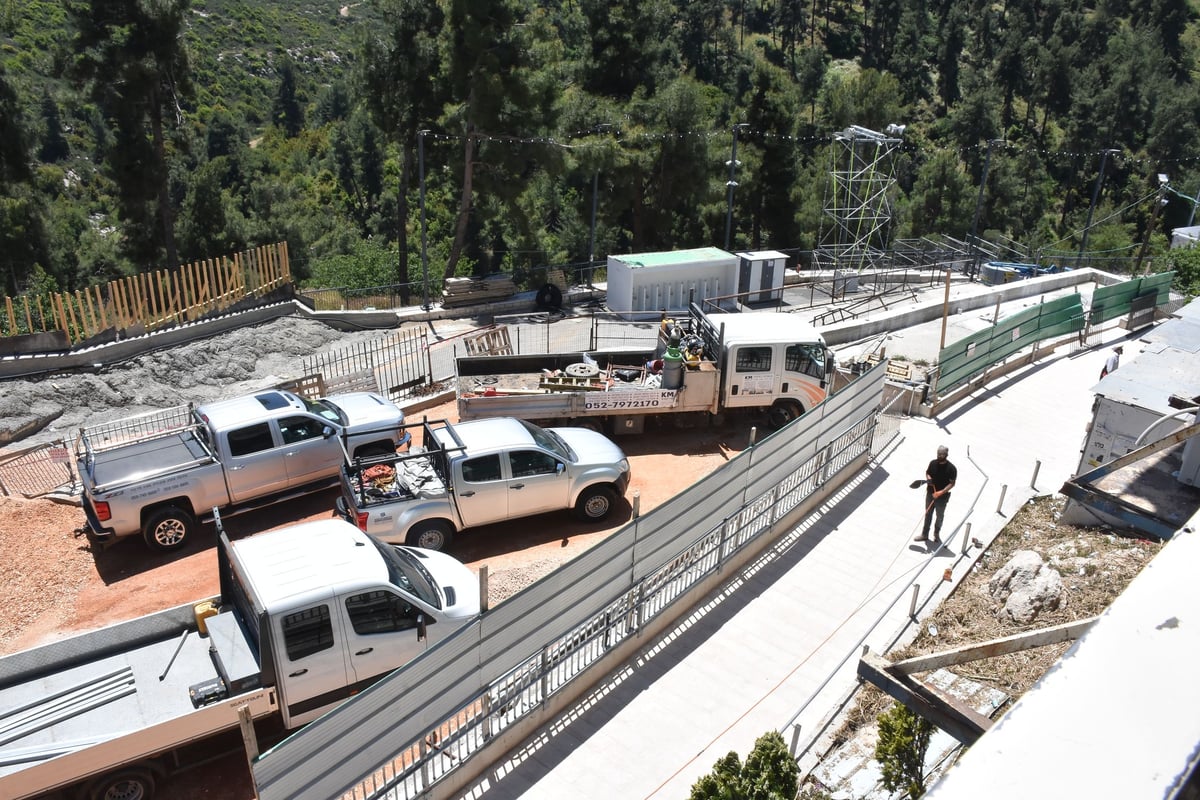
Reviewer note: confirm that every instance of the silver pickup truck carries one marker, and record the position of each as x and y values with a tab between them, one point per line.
480	472
159	474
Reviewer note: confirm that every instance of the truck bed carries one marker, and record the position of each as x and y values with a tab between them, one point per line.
401	478
86	705
69	709
138	460
541	387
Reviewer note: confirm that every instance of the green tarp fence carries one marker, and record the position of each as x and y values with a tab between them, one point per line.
1110	302
968	357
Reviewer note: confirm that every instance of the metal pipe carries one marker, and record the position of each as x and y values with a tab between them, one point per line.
1037	466
912	605
1003	489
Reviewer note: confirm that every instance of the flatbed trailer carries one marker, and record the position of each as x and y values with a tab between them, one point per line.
764	361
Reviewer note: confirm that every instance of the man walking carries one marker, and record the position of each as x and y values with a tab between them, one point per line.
940	476
1113	361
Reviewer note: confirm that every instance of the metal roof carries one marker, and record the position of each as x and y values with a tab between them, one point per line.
1168	363
330	554
670	257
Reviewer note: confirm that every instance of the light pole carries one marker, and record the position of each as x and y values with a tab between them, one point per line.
600	128
987	162
731	184
1087	226
424	258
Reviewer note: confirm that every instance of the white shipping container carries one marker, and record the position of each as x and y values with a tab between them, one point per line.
641	285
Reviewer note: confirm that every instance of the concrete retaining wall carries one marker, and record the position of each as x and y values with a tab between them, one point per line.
857	330
837	334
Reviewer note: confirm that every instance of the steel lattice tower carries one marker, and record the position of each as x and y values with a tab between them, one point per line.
857	198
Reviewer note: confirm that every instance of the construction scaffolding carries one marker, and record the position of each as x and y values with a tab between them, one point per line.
857	200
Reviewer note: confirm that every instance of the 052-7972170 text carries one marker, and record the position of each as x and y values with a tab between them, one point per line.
610	401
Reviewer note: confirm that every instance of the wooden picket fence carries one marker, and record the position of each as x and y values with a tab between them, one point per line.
151	299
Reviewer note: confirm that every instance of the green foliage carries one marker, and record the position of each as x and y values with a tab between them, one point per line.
900	751
370	263
769	773
127	128
1185	261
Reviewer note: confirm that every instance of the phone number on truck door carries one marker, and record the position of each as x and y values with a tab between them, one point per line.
617	401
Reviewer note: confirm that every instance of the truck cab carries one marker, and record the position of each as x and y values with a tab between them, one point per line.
262	427
768	360
332	610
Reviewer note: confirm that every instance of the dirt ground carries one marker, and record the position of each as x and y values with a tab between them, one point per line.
56	585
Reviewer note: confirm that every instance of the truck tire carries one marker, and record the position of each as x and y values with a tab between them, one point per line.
783	412
168	528
130	783
595	503
432	534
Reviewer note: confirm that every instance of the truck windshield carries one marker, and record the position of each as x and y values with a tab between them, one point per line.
326	410
407	572
549	440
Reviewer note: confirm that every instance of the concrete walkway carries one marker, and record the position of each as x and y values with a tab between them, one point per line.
779	646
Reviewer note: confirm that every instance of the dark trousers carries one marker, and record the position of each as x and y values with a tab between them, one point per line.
934	507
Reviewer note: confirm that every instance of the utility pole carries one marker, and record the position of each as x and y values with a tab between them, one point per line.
424	258
987	162
595	195
1159	202
731	184
1087	227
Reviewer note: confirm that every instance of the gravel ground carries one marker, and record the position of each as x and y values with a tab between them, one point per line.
226	365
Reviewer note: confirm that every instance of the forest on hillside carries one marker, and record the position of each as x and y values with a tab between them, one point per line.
142	134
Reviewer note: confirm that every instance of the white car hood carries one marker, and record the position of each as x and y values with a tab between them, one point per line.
451	573
367	410
591	448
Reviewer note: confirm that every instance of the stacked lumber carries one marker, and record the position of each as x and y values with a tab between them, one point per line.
470	291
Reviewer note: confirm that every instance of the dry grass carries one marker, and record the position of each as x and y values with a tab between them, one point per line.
1096	565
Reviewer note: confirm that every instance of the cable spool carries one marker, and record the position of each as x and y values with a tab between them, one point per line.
549	298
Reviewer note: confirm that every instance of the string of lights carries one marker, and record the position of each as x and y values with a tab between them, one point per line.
595	137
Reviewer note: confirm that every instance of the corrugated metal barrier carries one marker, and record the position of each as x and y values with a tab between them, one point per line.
410	731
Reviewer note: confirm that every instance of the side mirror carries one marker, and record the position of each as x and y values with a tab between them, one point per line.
422	633
559	467
327	432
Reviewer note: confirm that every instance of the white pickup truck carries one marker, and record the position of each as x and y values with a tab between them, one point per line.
307	616
159	474
480	472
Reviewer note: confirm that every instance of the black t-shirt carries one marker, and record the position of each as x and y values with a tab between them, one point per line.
943	473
